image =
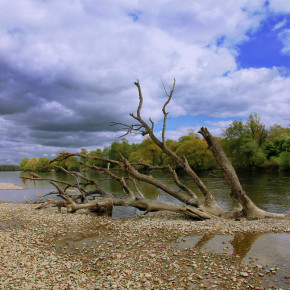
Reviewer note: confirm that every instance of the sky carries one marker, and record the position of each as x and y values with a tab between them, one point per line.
67	69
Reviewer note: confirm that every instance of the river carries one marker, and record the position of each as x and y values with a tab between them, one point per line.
269	190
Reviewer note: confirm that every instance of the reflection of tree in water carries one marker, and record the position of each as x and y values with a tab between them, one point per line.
242	242
204	240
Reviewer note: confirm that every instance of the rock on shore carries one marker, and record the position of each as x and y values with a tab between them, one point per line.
44	249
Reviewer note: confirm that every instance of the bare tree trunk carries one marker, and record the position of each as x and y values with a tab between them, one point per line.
243	205
210	201
142	203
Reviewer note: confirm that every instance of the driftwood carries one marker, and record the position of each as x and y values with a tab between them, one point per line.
194	207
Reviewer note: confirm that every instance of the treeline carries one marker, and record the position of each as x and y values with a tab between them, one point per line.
247	144
9	167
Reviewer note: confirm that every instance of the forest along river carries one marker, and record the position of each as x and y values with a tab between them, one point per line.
269	190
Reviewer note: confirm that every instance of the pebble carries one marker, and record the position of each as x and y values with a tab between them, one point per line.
244	274
44	249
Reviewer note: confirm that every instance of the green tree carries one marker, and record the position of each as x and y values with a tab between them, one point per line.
31	165
235	130
118	148
197	154
97	153
72	164
276	131
256	129
172	145
277	148
148	153
84	151
249	154
284	160
8	167
23	163
105	152
278	145
244	142
41	165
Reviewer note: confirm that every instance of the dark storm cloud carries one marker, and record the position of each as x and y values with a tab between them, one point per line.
70	140
15	91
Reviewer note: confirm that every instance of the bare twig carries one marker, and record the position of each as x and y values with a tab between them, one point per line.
166	113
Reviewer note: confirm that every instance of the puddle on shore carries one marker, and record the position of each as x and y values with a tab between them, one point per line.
81	243
272	250
4	225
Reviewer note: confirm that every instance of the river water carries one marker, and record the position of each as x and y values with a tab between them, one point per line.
269	190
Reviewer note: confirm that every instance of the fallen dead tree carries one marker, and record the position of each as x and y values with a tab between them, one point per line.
197	208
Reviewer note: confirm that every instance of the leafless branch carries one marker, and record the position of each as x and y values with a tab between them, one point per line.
166	113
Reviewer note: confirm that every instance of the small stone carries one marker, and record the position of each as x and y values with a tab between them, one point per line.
244	274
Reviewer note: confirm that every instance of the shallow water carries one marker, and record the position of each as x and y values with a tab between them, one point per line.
272	250
5	225
269	190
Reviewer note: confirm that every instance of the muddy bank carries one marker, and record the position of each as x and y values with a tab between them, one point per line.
10	186
50	250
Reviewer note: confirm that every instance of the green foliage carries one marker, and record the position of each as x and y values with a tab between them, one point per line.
250	145
276	131
249	155
70	163
8	167
197	154
97	153
243	142
278	145
42	164
118	148
23	163
284	160
255	129
277	148
148	153
235	130
31	165
84	151
247	144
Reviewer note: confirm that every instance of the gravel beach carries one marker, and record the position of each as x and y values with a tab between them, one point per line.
45	249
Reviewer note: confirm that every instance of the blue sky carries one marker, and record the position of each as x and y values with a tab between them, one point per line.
67	69
265	46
